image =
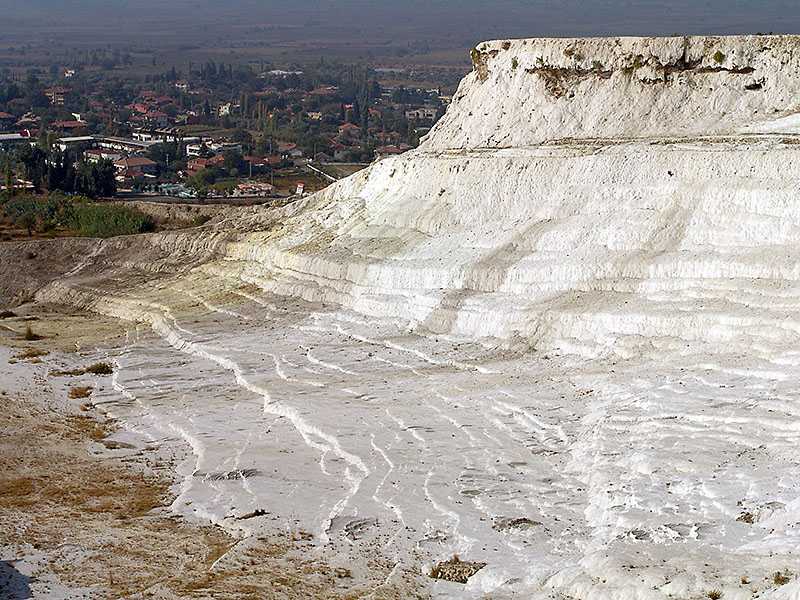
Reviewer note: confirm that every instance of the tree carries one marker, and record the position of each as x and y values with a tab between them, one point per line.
202	179
28	222
9	181
242	136
234	161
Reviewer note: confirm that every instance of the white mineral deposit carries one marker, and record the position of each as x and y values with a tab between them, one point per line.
561	337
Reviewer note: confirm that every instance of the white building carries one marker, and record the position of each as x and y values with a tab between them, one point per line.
214	148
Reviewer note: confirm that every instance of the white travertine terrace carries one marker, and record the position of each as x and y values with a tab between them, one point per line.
562	337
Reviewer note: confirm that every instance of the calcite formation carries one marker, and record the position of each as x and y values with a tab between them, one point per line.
576	306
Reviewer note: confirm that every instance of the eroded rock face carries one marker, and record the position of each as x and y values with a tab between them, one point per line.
526	92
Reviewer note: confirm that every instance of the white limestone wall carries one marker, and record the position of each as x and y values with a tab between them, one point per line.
674	238
524	92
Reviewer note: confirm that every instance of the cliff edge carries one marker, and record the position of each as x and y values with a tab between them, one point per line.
524	92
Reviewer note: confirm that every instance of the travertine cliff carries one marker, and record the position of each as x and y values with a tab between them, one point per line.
561	337
525	92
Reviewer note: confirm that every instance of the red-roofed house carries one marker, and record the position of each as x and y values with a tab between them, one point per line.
65	125
126	175
255	161
157	118
387	151
196	164
291	151
324	91
138	163
349	129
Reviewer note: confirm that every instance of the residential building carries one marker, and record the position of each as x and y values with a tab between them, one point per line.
80	141
387	151
349	128
10	140
126	144
253	189
6	120
97	154
339	151
67	125
137	163
57	94
291	151
424	112
213	148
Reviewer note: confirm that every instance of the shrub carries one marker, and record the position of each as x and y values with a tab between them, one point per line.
100	369
98	433
718	56
779	578
455	569
714	594
80	392
108	220
73	372
30	210
30	335
201	220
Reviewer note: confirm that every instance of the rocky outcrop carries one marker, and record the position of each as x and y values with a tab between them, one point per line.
525	92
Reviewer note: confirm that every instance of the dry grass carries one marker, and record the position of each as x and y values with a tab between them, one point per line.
81	391
100	368
781	578
32	353
73	372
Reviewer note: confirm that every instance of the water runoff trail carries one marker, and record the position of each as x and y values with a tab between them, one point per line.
560	471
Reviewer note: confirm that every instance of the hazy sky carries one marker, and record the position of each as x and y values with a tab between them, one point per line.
454	24
531	17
